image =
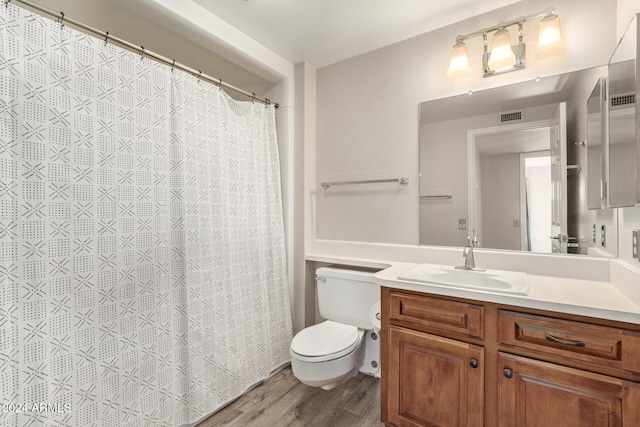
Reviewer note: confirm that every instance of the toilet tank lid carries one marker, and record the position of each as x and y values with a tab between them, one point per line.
362	274
324	339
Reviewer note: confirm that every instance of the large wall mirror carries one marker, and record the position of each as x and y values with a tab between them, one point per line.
496	165
624	145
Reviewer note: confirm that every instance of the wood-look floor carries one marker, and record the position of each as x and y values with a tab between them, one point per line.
283	401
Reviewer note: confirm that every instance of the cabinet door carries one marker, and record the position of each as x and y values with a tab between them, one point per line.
433	381
533	393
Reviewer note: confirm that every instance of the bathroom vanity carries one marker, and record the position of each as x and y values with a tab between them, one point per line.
498	360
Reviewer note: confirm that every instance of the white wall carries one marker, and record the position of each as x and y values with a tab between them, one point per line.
625	11
305	133
368	119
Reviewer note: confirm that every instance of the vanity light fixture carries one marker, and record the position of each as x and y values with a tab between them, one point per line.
504	57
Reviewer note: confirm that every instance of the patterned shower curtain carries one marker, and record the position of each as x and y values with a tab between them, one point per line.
142	254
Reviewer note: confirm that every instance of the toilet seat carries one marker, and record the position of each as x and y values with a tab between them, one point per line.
325	341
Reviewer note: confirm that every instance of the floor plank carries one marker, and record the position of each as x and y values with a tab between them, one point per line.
365	399
270	391
306	414
282	401
353	383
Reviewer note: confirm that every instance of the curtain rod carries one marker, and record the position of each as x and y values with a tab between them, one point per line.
62	18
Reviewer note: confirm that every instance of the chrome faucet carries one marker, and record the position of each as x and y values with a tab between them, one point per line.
467	253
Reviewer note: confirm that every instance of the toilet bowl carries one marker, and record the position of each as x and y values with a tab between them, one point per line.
326	354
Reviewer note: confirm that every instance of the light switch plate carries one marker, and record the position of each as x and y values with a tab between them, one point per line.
462	224
634	243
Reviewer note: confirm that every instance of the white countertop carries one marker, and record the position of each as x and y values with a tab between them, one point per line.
572	296
591	298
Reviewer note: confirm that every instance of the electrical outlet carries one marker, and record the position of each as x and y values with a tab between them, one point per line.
634	243
593	234
603	236
462	224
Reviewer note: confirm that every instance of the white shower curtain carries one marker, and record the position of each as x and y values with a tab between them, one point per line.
142	254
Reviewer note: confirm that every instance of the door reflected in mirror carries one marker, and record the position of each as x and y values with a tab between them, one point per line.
512	163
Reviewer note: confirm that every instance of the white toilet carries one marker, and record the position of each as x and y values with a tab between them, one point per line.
333	351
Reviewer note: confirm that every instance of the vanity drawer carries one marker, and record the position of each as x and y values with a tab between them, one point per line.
435	314
602	345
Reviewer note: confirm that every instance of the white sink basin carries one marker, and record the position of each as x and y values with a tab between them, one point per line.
506	282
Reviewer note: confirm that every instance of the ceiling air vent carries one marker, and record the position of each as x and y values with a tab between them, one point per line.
621	101
511	116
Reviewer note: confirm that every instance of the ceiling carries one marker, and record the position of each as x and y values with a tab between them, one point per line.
322	32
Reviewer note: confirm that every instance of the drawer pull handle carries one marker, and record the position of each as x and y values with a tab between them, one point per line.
557	341
508	373
473	363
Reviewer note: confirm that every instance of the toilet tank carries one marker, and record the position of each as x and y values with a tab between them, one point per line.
345	295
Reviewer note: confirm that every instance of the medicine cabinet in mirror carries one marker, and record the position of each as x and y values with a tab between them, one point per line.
494	163
624	144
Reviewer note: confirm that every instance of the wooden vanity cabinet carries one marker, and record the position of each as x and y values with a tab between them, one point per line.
438	381
539	394
430	376
453	362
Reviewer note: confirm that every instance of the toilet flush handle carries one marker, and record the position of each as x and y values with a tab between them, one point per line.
378	316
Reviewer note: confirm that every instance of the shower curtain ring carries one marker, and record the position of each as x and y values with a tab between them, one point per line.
141	53
220	84
199	75
253	97
106	37
61	19
173	64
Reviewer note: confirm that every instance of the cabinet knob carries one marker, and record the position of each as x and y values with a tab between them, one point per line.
473	363
508	373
